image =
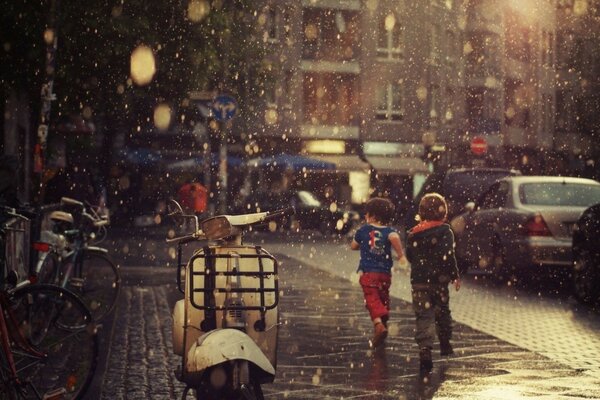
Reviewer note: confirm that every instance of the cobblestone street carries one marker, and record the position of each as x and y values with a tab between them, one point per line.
324	352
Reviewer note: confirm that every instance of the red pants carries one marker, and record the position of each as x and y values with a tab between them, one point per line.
376	289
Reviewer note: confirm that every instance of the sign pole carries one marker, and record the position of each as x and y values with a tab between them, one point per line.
224	109
223	167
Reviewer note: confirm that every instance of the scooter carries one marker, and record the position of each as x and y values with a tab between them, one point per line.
226	326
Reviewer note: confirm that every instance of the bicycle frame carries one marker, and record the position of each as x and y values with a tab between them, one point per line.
15	334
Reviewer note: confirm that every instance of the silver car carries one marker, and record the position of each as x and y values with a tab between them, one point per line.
521	222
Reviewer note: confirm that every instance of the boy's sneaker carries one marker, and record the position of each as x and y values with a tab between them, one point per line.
380	334
425	361
446	348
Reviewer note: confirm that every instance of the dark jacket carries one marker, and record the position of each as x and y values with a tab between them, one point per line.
431	255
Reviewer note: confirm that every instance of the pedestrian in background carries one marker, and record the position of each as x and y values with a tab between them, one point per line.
430	251
375	241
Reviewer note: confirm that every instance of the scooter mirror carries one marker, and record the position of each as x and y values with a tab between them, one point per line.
174	208
216	228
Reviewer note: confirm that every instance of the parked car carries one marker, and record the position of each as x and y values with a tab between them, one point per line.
458	186
311	213
586	255
521	222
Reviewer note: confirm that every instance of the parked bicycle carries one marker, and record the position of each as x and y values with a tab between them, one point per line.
73	263
48	340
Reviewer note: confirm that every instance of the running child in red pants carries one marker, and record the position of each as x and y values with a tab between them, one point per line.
375	241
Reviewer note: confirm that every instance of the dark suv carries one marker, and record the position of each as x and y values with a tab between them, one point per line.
458	186
586	258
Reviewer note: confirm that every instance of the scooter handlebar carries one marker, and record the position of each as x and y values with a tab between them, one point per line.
187	238
284	212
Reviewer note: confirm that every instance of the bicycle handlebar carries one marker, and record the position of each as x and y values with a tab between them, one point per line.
101	222
71	202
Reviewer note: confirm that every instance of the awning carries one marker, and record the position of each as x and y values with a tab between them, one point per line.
195	164
398	165
292	162
142	157
344	162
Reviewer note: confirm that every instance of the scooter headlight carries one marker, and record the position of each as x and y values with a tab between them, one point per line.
218	377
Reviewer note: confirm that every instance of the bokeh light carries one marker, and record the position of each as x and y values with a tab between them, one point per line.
197	10
143	65
162	117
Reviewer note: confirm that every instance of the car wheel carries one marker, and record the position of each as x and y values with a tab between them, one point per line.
324	228
497	264
585	278
463	265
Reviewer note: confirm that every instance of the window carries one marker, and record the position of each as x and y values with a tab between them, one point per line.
330	99
286	90
389	45
436	52
271	93
451	47
518	38
559	194
547	48
330	35
272	24
548	114
390	100
434	110
495	197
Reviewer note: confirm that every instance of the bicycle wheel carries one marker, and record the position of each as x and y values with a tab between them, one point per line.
47	271
8	389
63	331
100	284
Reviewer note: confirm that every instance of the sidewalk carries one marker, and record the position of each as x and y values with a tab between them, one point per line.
323	349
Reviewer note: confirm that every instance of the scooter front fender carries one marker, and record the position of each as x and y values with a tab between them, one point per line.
221	345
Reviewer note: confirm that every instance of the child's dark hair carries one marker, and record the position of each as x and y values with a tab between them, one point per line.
433	207
381	209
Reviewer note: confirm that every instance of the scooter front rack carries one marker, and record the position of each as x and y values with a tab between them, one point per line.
209	275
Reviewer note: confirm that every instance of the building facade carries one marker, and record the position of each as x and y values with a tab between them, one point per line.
363	84
578	77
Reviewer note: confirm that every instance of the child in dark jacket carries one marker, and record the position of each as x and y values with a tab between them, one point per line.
430	251
375	240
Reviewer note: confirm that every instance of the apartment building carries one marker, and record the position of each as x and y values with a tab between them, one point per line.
578	76
510	73
363	84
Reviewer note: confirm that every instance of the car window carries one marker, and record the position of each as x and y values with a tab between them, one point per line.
308	198
433	183
463	187
559	194
495	197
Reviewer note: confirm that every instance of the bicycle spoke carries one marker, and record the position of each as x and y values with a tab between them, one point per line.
49	314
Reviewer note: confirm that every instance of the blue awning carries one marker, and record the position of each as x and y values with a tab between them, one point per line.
197	163
292	162
142	157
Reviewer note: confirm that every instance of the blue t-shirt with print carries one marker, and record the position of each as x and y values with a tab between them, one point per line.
375	248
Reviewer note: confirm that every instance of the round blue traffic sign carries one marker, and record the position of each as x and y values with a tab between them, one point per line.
224	107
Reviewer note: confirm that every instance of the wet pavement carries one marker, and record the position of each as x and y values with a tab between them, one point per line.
323	347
